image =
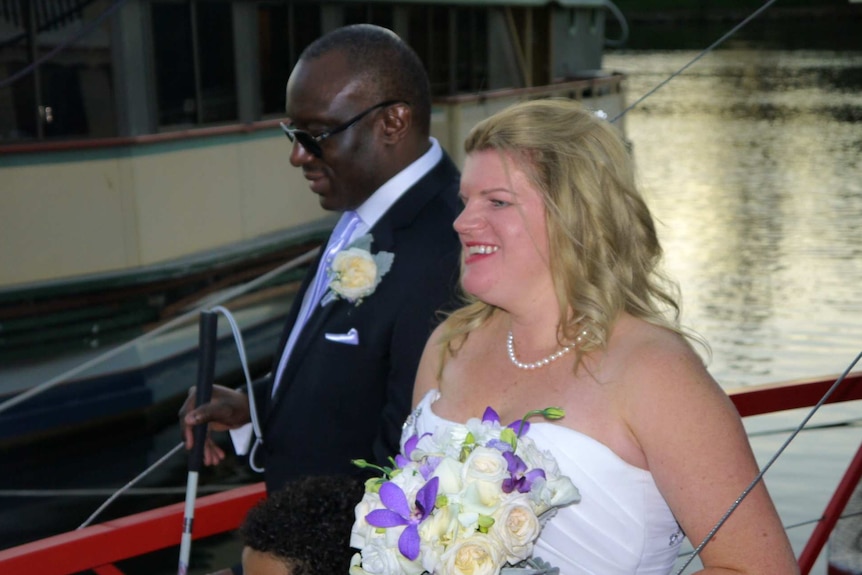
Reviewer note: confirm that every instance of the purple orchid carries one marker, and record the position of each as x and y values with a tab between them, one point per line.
517	479
409	446
490	415
520	427
427	464
499	445
398	512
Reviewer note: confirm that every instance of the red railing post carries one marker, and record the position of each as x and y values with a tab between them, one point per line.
830	516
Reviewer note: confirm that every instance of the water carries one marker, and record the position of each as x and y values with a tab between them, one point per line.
750	161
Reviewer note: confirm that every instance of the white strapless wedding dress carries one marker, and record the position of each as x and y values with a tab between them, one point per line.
621	526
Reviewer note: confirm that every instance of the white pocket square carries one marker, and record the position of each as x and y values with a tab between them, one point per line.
349	338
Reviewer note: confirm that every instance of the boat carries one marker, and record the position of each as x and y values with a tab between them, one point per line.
114	359
141	175
101	547
104	548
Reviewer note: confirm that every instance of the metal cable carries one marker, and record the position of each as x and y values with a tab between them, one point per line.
227	295
766	467
98	492
121	490
703	53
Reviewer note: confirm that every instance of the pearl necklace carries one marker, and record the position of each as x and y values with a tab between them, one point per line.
510	347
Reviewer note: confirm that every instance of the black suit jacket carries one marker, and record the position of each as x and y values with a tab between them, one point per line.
337	402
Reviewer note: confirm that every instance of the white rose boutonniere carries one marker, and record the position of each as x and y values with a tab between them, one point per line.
355	272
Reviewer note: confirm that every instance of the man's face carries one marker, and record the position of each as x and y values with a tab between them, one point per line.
323	94
258	563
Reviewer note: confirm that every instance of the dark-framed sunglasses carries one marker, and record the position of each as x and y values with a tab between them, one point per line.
312	143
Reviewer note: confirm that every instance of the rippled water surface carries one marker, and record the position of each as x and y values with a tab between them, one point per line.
750	161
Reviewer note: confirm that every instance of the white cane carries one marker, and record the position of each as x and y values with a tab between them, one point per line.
206	371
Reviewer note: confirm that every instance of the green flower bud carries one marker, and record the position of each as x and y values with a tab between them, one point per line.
485	523
372	485
508	435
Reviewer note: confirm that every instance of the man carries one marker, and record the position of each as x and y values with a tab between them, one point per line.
303	529
358	103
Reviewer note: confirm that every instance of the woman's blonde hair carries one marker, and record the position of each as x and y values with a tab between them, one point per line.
604	250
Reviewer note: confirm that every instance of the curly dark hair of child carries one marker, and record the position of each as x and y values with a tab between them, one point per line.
307	524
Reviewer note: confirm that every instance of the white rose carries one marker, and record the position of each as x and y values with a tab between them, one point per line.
354	274
536	458
486	468
516	527
356	565
478	555
378	558
437	532
553	492
361	530
449	474
440	526
560	491
472	500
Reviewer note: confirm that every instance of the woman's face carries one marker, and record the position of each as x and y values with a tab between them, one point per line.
503	233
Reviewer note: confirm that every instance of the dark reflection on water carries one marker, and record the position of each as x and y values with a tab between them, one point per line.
771	31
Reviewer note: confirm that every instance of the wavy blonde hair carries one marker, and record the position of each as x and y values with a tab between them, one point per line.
604	251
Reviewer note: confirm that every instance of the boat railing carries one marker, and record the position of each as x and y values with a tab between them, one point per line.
100	547
203	303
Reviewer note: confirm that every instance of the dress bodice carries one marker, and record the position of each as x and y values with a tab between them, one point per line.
621	526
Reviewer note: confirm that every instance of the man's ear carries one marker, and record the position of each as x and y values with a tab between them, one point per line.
397	120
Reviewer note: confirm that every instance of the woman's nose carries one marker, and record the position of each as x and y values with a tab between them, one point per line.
467	220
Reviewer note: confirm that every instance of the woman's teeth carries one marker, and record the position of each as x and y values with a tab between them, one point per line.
481	249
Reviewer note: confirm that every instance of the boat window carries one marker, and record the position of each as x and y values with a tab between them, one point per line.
193	49
69	94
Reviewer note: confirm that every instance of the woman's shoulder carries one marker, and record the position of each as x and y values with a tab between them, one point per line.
649	346
660	370
652	360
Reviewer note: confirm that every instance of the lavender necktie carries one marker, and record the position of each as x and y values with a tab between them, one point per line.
337	241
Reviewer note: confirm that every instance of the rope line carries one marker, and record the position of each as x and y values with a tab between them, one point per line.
98	492
229	294
131	483
703	53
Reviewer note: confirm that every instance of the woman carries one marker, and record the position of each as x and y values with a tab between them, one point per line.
566	308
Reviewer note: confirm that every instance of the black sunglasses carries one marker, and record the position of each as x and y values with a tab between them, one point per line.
312	143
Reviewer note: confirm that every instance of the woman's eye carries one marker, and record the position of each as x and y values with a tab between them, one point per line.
499	203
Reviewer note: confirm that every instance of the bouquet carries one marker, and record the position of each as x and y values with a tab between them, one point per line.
466	500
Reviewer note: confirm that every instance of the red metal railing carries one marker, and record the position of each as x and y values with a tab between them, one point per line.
99	547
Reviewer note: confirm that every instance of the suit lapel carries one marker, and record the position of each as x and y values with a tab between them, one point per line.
400	214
